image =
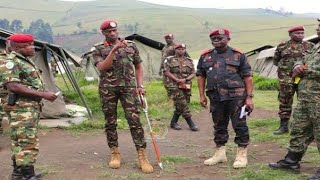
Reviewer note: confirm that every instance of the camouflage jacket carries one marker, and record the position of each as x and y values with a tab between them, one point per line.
309	85
17	68
181	69
3	92
224	73
167	50
122	72
286	55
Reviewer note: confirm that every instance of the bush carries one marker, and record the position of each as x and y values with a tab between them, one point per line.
263	83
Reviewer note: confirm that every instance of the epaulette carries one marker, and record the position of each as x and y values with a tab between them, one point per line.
189	58
11	56
169	57
237	50
206	52
282	44
129	41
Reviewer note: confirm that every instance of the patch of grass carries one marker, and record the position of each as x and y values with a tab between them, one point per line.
176	159
49	169
263	172
135	176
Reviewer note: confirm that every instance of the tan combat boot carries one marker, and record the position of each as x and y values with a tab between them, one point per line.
143	162
115	158
241	159
218	157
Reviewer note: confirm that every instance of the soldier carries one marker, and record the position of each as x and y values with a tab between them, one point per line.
305	126
167	50
285	56
227	77
121	79
3	92
180	71
22	80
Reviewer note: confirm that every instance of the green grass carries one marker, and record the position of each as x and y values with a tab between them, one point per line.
175	159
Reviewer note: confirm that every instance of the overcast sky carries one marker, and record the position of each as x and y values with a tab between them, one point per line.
304	6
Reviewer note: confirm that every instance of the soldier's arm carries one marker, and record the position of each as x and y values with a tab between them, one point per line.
166	70
21	89
139	74
277	56
201	79
191	76
107	63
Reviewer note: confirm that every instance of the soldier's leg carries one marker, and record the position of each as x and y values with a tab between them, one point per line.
220	121
25	142
176	114
130	104
301	137
1	117
286	95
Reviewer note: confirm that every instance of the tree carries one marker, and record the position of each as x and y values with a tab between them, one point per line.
4	24
16	26
41	30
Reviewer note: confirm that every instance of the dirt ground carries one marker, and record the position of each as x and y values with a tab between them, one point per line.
65	155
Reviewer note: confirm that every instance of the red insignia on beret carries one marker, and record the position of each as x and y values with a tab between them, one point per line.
220	32
108	24
179	46
21	38
168	35
296	28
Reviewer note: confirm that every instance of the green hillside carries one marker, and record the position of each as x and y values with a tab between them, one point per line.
249	27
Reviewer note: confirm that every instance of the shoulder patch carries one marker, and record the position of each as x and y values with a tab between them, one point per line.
9	65
206	52
237	50
11	56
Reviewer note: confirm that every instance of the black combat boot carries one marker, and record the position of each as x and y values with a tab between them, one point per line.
192	126
290	162
29	174
16	173
316	176
283	127
174	122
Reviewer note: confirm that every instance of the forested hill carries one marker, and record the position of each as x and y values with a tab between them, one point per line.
75	25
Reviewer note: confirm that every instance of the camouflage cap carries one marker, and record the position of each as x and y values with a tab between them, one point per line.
179	45
168	35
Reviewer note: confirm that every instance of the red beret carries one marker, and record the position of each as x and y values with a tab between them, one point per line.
108	24
296	28
168	35
179	46
21	38
222	31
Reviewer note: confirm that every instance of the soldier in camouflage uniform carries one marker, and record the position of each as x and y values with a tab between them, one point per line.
285	57
305	126
167	50
121	78
227	77
180	71
22	80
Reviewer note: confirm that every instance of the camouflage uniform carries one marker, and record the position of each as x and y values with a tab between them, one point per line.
119	83
3	93
181	70
306	117
24	115
285	57
226	90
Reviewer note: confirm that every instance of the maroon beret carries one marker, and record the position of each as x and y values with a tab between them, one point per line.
21	38
222	31
168	35
296	28
179	46
108	24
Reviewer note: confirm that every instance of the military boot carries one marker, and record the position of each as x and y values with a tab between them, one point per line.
16	173
290	162
115	158
174	122
283	127
241	158
192	126
218	157
316	176
143	162
28	173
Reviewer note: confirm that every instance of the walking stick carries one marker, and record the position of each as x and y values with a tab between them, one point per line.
144	105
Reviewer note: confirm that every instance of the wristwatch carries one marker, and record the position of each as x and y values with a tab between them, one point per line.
250	95
140	86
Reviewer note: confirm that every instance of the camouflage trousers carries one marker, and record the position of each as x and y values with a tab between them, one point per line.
24	139
305	126
181	98
1	118
130	103
224	111
285	97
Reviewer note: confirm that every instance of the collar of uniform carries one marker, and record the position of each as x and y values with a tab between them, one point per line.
23	57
